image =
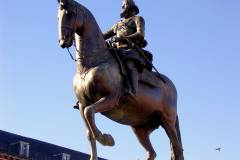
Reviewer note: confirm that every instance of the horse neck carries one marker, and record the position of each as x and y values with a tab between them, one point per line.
90	44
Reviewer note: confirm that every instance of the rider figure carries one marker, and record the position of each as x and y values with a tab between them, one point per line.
132	28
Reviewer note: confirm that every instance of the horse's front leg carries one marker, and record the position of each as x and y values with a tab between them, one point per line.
104	104
90	136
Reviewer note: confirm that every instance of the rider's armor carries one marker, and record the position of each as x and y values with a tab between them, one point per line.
132	28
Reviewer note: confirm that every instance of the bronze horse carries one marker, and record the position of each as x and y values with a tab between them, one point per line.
98	86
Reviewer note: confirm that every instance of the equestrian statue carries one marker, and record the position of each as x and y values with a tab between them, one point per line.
115	77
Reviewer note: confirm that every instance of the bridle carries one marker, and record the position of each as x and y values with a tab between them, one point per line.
71	30
72	34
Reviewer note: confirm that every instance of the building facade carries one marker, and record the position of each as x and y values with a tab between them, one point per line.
15	147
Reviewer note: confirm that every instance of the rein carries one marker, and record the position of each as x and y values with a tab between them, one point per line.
79	54
71	55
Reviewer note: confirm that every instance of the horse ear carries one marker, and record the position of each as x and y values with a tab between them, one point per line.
63	2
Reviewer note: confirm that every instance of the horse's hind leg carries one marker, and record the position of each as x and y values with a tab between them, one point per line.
169	124
90	137
143	137
104	104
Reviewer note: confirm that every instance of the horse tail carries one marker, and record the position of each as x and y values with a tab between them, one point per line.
178	130
179	133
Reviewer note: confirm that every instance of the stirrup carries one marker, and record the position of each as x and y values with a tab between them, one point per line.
76	106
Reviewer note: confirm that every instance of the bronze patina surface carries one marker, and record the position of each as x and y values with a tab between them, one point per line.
100	88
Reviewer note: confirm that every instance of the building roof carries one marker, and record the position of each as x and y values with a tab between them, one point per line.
38	150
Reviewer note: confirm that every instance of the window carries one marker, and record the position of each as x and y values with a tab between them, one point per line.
66	156
24	149
62	156
20	148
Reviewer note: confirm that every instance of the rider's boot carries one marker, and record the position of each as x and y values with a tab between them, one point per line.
133	73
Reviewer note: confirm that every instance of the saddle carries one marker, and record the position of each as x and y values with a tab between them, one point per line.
145	74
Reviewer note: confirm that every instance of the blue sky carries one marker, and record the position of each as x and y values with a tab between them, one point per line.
195	43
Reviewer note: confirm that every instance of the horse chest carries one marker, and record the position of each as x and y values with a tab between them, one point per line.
82	84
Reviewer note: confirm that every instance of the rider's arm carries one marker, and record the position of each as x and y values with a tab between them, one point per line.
110	33
140	33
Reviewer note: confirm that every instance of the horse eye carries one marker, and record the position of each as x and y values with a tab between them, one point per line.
69	13
63	6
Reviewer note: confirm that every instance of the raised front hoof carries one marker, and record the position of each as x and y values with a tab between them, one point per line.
107	140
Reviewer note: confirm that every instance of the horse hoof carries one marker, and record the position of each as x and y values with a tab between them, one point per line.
151	156
108	140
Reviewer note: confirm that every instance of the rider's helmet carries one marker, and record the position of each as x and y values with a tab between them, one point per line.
127	6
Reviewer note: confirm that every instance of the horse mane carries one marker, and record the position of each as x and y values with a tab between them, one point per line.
72	4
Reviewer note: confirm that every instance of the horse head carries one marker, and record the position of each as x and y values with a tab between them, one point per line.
68	22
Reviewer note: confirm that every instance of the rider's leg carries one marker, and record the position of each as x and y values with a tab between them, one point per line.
133	73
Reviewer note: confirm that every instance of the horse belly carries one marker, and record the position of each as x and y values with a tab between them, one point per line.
134	113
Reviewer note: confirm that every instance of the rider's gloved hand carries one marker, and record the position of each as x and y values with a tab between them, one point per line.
119	39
